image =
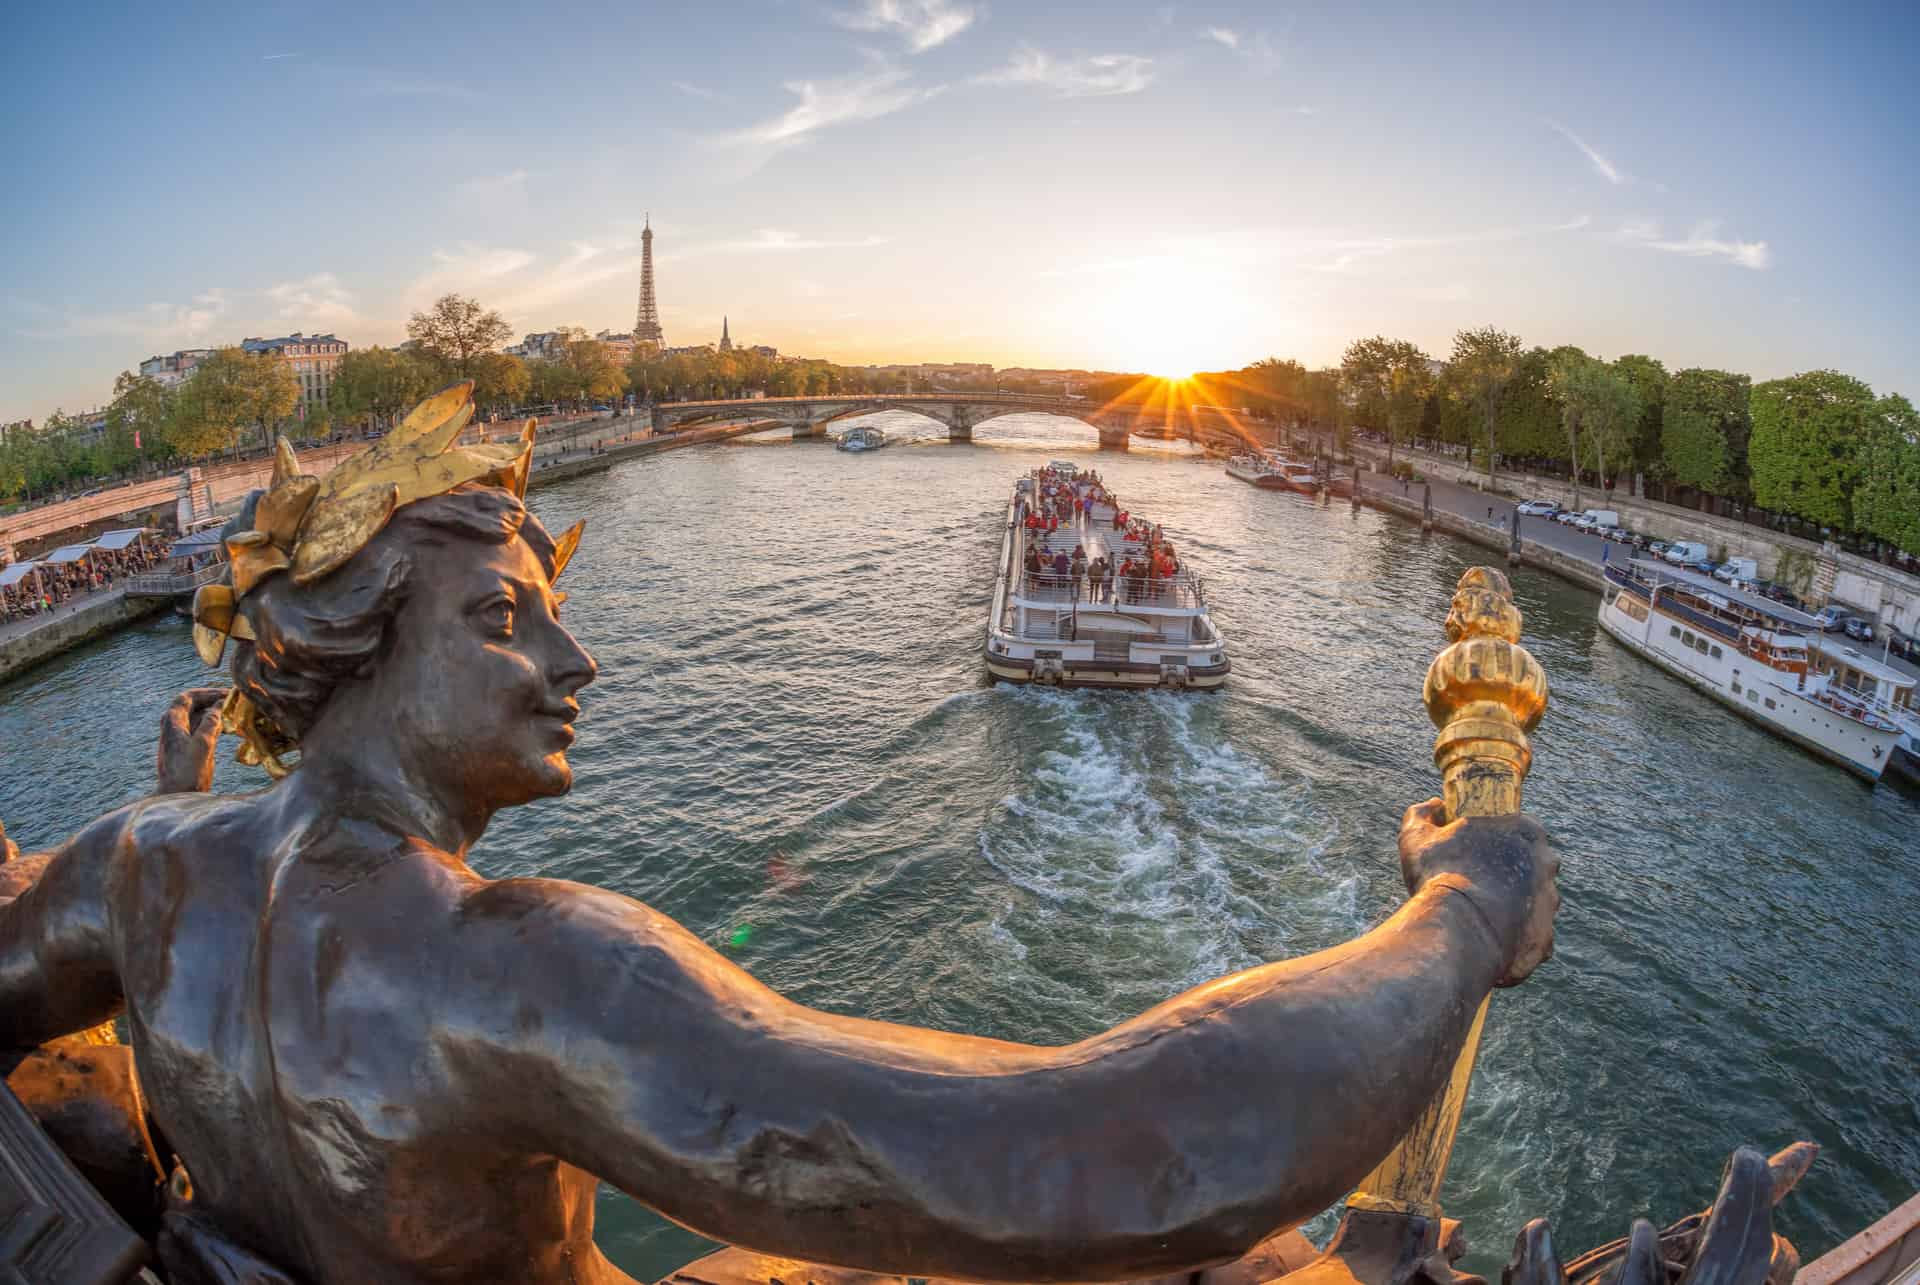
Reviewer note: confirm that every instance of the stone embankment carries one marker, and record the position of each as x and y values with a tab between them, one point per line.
591	447
1884	594
70	626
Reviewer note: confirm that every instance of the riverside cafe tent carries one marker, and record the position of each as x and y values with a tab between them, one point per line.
19	583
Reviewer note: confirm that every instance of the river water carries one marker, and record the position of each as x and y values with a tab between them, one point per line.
791	749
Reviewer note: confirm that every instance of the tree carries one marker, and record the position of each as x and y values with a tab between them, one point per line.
1487	360
1887	504
1391	379
1612	413
1568	372
457	330
379	383
136	418
229	391
500	379
1704	430
596	370
1806	452
1649	379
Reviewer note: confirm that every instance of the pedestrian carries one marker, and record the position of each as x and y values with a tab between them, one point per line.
1079	571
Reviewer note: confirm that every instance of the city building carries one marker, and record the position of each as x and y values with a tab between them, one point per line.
314	358
547	345
622	345
171	370
765	350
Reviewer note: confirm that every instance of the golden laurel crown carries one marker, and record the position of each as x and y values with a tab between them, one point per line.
310	526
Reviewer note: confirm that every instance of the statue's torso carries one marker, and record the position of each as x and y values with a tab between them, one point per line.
298	1021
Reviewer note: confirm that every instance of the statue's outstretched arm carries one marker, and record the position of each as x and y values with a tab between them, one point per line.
1185	1135
57	973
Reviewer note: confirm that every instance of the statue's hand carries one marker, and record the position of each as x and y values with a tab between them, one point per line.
188	730
1506	865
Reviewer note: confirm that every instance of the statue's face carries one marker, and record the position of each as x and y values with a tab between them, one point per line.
482	676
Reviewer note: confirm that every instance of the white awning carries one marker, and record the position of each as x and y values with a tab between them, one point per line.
119	539
71	553
14	573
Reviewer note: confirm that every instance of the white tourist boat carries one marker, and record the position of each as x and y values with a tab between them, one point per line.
1889	692
1145	632
1750	653
863	437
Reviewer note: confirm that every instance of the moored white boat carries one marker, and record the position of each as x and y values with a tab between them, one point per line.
1062	630
1273	472
1749	653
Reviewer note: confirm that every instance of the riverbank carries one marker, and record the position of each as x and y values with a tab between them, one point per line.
30	643
68	627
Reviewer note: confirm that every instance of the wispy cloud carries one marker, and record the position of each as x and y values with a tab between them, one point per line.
697	91
155	323
1339	255
318	300
922	24
463	268
1703	242
1226	36
276	57
1097	76
396	88
492	185
1602	166
770	241
880	90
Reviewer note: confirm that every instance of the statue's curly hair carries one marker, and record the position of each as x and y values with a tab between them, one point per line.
310	638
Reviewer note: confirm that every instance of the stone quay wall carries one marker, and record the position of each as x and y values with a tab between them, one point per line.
68	628
1863	586
1532	552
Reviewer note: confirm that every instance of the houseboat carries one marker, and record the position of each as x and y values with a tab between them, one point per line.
861	438
1139	631
1889	692
1750	653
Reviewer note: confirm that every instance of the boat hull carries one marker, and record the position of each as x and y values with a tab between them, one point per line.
1265	481
1106	673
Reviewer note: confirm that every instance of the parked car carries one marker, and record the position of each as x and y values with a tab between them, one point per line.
1736	569
1657	548
1903	645
1602	519
1621	535
1537	508
1565	517
1829	619
1581	522
1857	629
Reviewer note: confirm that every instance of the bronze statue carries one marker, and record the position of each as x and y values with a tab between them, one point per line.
376	1066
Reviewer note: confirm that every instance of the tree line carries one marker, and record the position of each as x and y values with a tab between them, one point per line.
1817	452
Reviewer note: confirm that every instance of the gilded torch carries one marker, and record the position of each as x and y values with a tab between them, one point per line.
1484	693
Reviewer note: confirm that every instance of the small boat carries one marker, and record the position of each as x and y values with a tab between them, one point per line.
1752	654
1260	470
1146	631
863	438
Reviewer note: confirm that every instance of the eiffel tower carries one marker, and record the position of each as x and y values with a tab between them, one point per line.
646	326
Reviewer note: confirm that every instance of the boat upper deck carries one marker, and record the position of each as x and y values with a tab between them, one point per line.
1096	536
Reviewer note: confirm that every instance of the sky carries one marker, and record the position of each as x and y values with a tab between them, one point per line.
1117	186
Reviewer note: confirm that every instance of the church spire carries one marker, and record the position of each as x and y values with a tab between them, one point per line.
726	340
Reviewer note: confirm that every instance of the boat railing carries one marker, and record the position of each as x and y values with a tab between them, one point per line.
165	584
1182	591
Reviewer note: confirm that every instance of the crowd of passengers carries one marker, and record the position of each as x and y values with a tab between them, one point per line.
49	587
1143	575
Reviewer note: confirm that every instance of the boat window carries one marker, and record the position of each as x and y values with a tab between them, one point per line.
1673	631
1736	687
1755	696
1770	704
1687	637
1716	653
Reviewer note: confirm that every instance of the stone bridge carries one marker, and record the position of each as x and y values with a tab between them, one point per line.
964	412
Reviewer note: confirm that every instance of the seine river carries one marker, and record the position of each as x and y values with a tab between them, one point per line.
791	749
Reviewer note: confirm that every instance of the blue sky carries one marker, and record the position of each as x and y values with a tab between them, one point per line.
1158	187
